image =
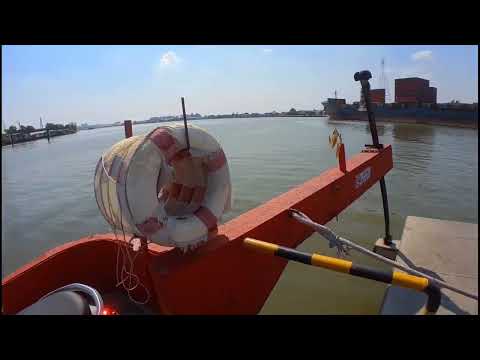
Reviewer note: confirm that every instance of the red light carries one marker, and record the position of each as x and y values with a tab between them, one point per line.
109	311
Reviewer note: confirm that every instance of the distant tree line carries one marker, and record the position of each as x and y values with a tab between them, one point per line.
28	129
69	126
23	129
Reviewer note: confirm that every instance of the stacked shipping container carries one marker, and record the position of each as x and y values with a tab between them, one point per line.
414	90
430	95
377	96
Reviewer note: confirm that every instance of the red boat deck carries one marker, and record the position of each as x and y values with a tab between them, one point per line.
221	277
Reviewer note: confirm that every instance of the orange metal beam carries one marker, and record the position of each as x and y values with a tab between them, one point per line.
225	278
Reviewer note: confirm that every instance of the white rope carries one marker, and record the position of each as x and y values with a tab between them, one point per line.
106	172
343	245
126	274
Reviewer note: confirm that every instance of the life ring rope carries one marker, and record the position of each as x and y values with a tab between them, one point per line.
166	193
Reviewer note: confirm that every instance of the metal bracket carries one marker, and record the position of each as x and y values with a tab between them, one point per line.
380	146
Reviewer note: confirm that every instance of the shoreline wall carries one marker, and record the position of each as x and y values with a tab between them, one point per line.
27	138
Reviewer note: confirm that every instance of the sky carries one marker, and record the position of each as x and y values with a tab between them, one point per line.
104	84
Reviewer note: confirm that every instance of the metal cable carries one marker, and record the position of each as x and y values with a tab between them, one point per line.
335	239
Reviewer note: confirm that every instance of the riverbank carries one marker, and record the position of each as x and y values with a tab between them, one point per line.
21	138
210	117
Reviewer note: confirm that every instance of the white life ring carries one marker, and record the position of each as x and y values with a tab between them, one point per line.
129	176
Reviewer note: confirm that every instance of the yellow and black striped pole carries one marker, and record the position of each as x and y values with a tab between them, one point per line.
390	277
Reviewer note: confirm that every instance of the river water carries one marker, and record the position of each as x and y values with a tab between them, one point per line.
48	198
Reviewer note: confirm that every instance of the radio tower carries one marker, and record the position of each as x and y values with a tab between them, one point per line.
384	82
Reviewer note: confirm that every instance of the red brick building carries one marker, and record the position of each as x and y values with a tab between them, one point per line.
414	90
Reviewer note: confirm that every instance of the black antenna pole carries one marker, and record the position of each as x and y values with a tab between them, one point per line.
363	77
185	124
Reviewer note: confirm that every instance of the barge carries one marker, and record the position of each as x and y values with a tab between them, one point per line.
338	110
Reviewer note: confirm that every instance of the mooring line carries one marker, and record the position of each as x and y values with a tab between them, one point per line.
340	242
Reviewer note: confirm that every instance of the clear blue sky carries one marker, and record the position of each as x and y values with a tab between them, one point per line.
105	84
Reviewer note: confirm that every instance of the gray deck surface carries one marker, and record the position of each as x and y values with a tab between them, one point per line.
447	250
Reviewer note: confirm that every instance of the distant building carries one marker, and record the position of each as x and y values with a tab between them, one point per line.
414	90
306	112
333	105
377	96
458	106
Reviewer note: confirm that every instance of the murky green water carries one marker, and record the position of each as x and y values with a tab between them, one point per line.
48	199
